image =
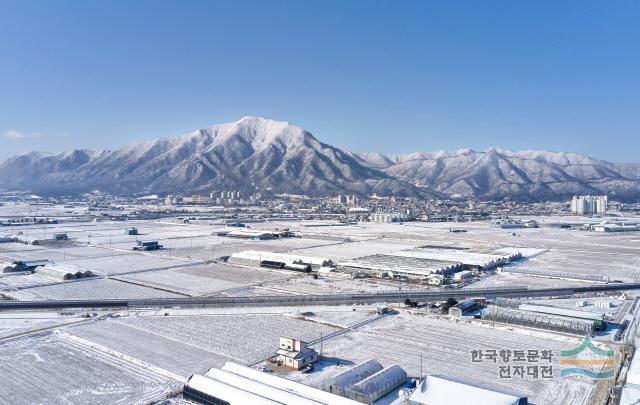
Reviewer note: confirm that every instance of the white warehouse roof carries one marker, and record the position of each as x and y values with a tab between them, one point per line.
281	257
287	385
572	313
436	390
233	395
454	255
259	388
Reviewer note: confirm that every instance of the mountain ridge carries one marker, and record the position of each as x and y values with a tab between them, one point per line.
258	154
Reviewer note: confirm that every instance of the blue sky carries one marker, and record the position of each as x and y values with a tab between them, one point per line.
387	76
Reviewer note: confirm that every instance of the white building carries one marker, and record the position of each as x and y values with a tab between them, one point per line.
589	204
390	217
295	354
235	384
255	258
437	390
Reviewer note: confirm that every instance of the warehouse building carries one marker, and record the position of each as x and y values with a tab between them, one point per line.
466	305
616	227
469	260
235	384
398	266
244	233
438	390
258	258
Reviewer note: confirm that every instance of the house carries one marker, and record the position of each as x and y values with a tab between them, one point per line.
295	354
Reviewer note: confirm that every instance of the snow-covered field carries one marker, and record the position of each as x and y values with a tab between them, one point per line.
190	344
49	369
12	323
186	341
89	289
205	279
445	347
309	285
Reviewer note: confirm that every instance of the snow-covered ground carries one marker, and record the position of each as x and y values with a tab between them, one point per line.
49	369
445	347
206	278
188	344
89	289
123	352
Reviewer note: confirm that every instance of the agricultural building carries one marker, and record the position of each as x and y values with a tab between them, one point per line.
437	390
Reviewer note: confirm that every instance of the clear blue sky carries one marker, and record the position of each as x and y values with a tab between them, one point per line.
388	76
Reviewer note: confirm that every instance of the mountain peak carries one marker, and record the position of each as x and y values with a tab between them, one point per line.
257	153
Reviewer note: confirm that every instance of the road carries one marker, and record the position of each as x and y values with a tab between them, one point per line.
325	299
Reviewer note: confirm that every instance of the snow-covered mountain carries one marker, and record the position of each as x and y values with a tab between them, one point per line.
260	154
250	154
498	174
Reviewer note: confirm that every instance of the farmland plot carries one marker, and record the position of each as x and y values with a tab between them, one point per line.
188	344
445	349
100	288
48	369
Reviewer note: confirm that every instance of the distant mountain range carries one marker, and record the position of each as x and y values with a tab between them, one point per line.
270	156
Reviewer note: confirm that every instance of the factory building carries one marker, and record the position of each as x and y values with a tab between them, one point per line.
469	260
439	390
397	266
511	224
282	260
243	233
235	384
589	204
616	227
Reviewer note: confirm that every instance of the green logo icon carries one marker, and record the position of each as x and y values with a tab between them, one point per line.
588	360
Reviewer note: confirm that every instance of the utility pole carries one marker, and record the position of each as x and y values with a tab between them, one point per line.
420	366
